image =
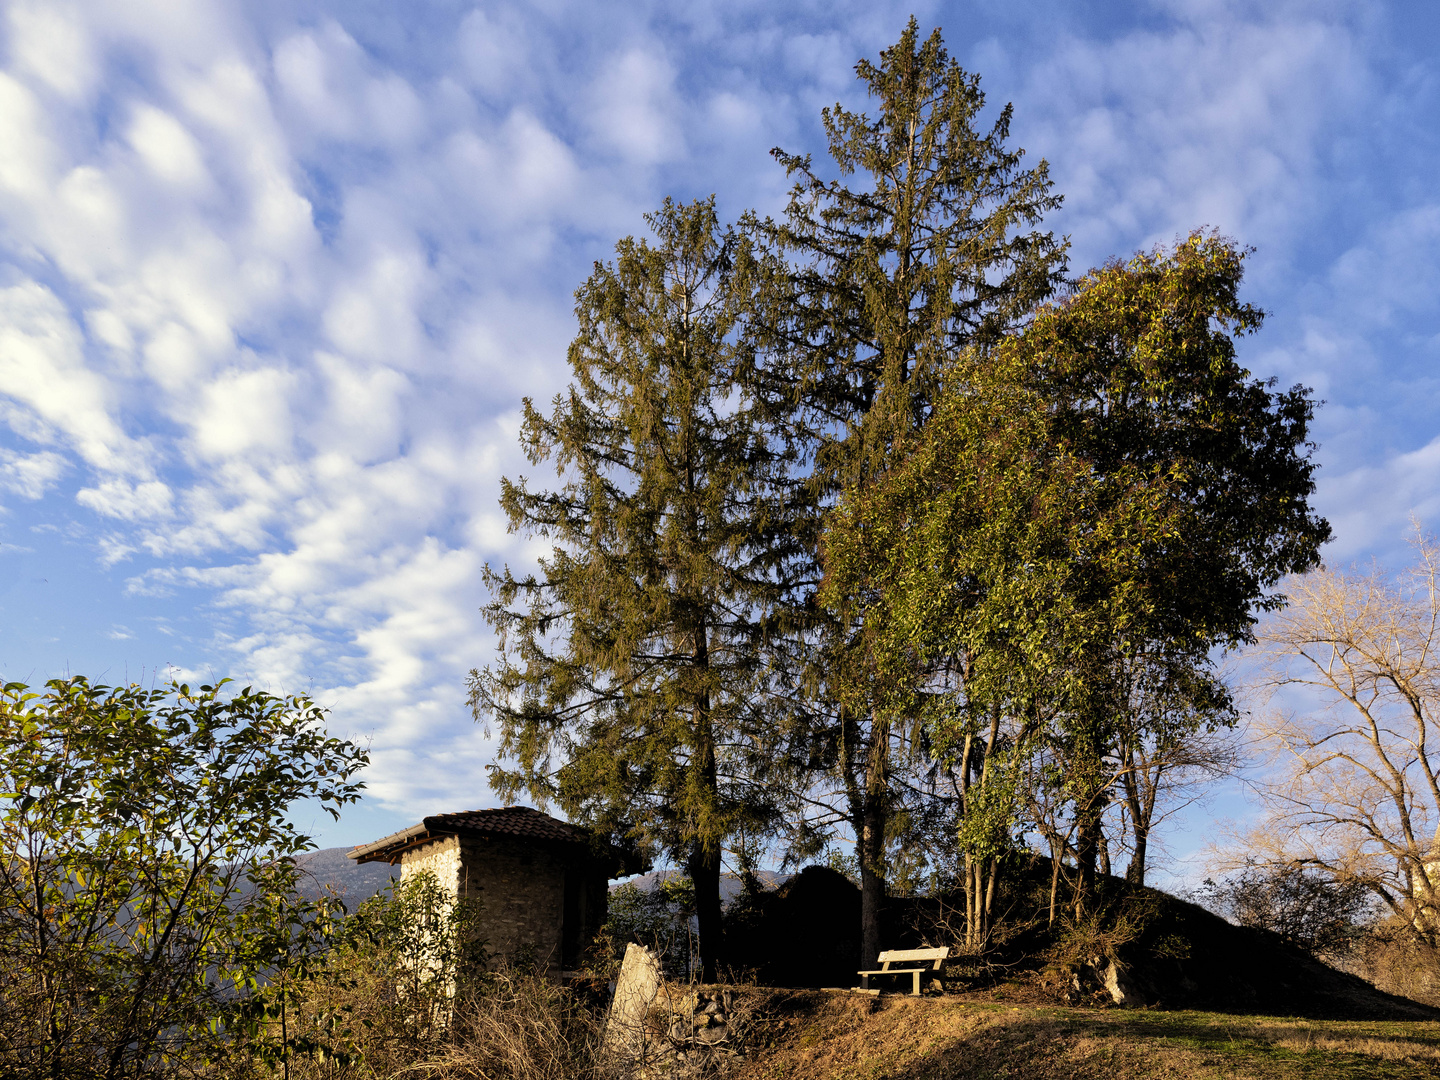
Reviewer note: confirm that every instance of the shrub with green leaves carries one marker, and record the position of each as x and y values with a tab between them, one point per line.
382	994
147	881
658	918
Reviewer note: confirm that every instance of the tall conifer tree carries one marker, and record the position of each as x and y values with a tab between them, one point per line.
633	666
937	250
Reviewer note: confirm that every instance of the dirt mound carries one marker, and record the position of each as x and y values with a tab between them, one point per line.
1187	957
1175	955
805	933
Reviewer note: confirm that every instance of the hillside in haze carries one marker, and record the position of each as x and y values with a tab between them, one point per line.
355	883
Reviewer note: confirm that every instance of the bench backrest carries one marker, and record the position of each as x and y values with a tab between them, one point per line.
904	956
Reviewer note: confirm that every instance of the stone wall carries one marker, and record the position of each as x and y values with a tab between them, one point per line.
441	858
521	889
659	1029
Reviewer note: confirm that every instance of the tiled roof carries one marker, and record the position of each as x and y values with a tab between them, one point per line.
520	822
509	821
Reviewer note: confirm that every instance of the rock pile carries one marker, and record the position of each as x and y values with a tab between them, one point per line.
692	1032
1097	976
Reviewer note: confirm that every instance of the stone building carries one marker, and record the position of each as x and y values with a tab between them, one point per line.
542	883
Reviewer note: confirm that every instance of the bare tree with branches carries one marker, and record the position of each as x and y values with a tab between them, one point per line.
1355	791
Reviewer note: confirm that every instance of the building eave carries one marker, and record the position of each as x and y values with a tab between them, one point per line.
390	848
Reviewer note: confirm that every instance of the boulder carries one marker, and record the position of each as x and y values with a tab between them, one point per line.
636	989
1125	988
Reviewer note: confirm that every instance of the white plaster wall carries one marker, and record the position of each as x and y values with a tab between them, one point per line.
441	858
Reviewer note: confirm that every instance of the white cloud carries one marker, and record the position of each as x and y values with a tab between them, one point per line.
1218	121
126	501
1371	507
327	77
49	41
633	108
242	412
363	418
275	294
373	316
30	475
26	166
168	150
114	549
43	371
1392	272
495	53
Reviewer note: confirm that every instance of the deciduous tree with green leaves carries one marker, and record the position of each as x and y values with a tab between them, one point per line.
1107	484
935	251
147	874
634	667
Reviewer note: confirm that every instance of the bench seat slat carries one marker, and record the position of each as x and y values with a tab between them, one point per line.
893	955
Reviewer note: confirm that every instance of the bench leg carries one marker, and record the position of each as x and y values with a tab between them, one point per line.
916	991
864	982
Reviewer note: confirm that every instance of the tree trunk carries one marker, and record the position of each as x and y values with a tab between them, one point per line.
1087	848
1135	872
703	863
1138	788
704	868
980	886
1056	854
872	882
1089	810
872	839
990	898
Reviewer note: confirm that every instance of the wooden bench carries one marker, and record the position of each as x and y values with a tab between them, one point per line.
923	957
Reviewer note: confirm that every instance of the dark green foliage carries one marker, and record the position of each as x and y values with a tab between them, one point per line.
636	668
381	993
1109	477
937	251
406	988
658	918
148	885
804	933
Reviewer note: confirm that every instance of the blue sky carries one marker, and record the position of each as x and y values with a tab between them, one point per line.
274	277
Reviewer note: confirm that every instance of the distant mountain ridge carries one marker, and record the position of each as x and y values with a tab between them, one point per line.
330	867
731	885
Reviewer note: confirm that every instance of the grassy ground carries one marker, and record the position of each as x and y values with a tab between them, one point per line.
823	1035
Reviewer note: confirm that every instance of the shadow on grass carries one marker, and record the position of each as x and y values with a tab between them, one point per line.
1113	1045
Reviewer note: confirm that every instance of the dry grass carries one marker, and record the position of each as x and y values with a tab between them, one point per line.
520	1027
511	1025
819	1036
1308	1037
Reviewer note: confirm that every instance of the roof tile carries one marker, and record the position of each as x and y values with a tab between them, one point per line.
519	821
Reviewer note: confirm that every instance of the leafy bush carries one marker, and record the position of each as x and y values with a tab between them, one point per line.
379	997
147	882
659	918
